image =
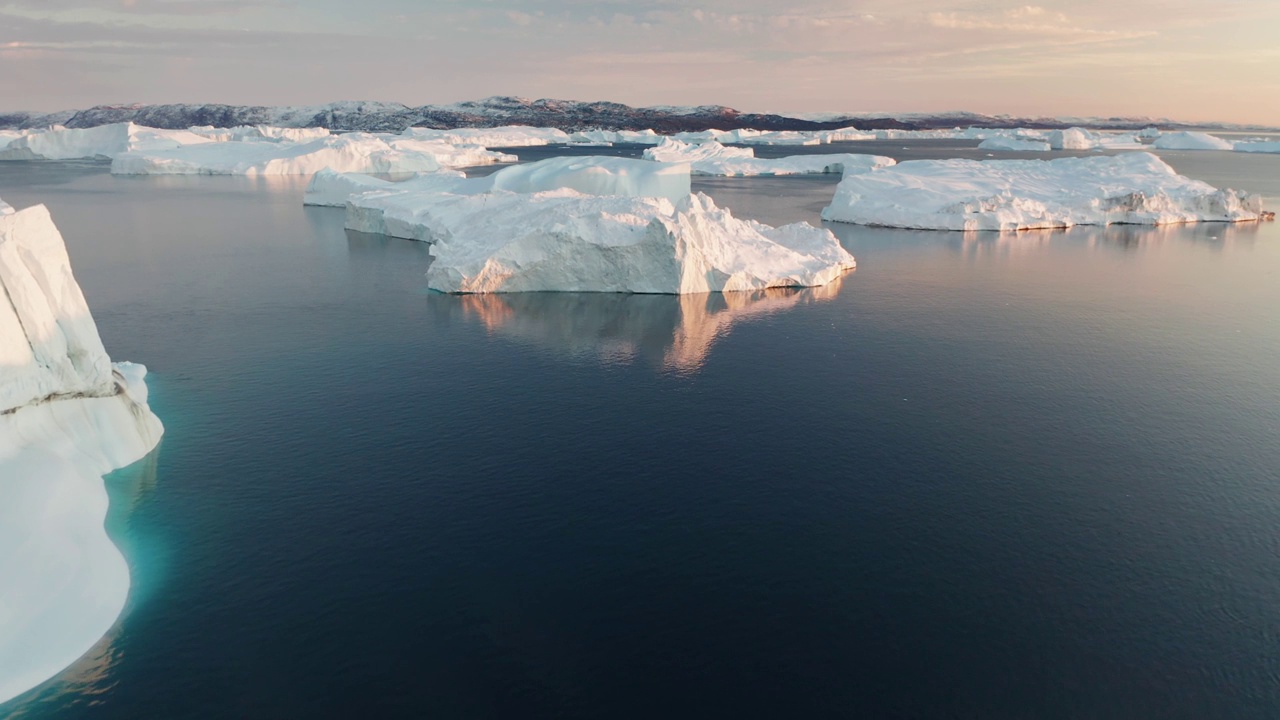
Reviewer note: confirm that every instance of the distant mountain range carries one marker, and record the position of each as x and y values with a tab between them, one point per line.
568	115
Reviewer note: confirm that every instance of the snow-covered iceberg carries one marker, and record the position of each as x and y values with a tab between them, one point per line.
353	152
1009	144
67	417
673	150
835	163
102	142
1258	147
333	189
594	225
1132	188
711	158
1191	141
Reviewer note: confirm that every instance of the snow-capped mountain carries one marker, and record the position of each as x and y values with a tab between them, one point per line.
568	115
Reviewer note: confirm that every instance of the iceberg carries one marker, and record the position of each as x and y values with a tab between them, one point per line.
837	163
353	152
102	142
1258	147
1191	141
673	150
67	417
1131	188
594	225
596	175
1009	144
710	158
333	189
617	137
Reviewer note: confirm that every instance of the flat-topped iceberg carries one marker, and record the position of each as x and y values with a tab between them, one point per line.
711	158
353	152
333	189
832	163
673	150
1258	147
67	417
1008	144
1132	188
1191	141
102	142
593	225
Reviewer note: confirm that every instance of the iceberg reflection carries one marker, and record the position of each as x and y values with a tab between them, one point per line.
670	332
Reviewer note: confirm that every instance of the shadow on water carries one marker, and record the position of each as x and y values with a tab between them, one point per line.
89	679
671	333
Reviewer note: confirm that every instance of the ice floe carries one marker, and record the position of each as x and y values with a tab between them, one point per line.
1008	144
1258	147
1135	188
1191	141
67	417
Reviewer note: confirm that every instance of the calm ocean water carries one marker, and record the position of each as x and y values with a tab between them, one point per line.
985	476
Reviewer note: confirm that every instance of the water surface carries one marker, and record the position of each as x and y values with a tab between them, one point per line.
991	476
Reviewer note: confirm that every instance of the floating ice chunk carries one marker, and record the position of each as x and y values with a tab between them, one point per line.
843	163
5	208
711	158
1014	145
333	189
354	152
617	137
597	175
1134	188
1071	139
1191	141
104	142
532	228
566	241
1258	147
66	419
673	150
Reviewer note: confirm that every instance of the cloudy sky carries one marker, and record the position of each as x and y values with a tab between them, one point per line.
1188	59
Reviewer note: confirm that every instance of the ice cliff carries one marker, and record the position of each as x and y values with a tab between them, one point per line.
67	417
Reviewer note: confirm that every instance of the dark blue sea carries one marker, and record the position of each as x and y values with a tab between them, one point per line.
984	476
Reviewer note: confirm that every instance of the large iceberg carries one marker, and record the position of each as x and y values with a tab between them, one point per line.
102	142
333	189
1258	147
1133	188
1191	141
711	158
836	163
353	152
620	227
67	417
673	150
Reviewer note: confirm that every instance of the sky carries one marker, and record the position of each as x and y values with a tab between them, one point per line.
1183	59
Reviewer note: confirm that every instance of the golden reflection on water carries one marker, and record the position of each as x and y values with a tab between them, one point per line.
673	333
